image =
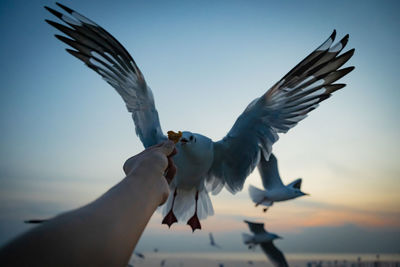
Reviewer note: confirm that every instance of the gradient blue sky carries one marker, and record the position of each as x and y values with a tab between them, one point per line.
65	133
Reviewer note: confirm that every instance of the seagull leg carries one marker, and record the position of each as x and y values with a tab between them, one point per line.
170	218
194	221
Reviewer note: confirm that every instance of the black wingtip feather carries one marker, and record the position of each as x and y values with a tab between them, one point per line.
66	40
333	35
348	69
78	55
349	53
65	8
49	22
334	87
344	40
58	26
54	12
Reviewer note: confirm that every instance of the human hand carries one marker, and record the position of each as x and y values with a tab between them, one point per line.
153	164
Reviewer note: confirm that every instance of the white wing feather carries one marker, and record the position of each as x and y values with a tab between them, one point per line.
101	52
277	111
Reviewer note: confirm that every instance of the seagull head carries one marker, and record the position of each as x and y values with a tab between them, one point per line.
196	146
188	139
304	194
275	236
298	193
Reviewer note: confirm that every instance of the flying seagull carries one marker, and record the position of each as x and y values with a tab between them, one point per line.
272	182
204	165
212	241
265	240
140	255
35	221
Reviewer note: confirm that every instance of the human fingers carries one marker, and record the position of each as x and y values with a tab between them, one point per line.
167	147
157	153
171	169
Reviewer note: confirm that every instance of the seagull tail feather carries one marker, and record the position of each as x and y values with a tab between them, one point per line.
184	204
256	194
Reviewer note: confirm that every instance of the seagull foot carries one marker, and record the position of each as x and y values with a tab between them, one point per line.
194	222
169	219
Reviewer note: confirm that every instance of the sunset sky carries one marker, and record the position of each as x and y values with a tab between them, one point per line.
65	133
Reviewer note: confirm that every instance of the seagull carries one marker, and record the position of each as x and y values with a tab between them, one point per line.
140	255
272	182
265	240
205	165
212	242
35	221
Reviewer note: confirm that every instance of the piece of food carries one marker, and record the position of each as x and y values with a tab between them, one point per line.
174	137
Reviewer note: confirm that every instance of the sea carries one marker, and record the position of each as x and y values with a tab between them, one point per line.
235	259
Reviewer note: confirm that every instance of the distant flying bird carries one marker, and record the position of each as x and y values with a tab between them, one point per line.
140	255
203	165
36	221
212	242
272	182
265	240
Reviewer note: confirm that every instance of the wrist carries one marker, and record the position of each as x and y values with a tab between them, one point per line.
154	188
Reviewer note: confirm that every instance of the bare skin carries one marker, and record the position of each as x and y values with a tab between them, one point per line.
106	231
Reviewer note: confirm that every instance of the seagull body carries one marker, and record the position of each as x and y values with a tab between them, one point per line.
265	240
204	165
272	182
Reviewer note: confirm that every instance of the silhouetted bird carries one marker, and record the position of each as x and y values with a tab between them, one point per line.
265	240
212	242
272	182
140	255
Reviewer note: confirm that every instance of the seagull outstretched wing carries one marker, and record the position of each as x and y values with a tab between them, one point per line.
278	110
256	228
101	52
274	254
269	172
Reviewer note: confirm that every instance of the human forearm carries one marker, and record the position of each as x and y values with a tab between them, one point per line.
105	231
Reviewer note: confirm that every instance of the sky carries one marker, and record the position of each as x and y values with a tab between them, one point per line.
65	133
